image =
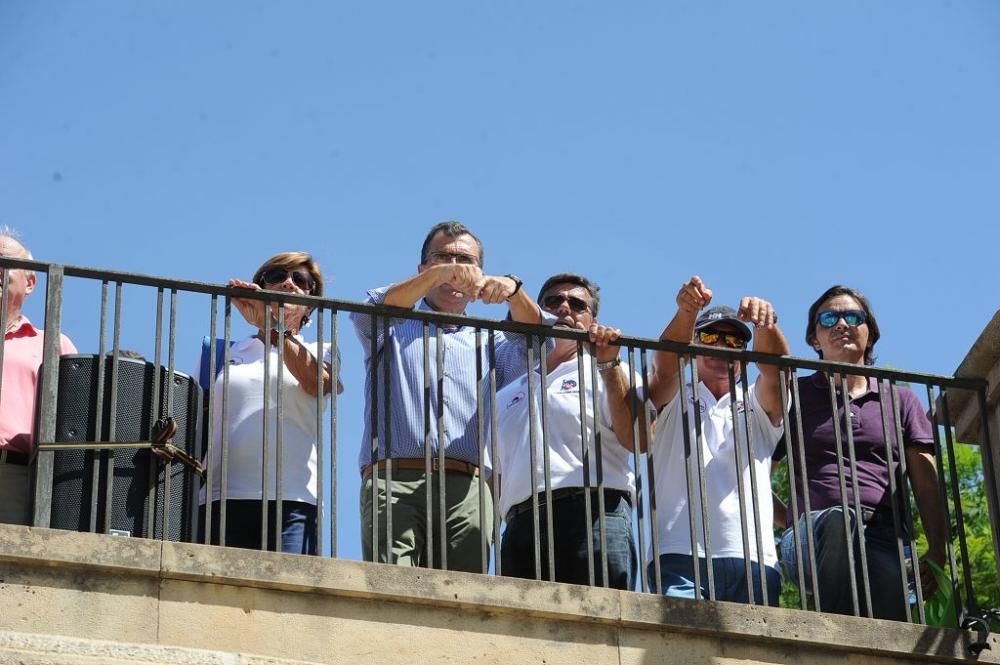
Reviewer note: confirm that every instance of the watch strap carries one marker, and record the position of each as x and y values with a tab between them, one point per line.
517	285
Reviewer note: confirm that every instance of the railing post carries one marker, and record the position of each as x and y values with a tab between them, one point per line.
48	389
989	418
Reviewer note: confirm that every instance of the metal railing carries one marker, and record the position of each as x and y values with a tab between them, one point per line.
536	343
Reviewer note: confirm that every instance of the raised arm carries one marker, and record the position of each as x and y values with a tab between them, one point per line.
303	365
463	278
665	378
495	289
298	359
768	338
617	386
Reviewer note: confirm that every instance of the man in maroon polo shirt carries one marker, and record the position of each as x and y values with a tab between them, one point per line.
842	328
22	358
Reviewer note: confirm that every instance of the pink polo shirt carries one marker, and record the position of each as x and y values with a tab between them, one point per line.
22	358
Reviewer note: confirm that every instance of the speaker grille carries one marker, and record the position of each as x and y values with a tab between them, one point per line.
141	503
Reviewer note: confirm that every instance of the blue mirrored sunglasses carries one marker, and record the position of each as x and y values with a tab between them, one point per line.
852	317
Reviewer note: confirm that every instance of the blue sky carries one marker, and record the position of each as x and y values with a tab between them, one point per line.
774	148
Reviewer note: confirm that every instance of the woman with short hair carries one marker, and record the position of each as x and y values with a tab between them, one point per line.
292	273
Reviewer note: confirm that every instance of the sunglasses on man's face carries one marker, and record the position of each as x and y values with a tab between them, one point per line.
852	317
553	302
300	278
712	337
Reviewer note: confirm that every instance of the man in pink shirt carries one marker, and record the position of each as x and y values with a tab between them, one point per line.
22	359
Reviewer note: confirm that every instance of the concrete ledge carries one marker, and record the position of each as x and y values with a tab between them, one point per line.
356	579
52	547
23	649
322	610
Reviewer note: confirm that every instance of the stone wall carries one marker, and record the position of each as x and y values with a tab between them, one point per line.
60	588
975	419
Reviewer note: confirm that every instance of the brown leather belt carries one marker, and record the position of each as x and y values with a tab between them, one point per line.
412	464
14	457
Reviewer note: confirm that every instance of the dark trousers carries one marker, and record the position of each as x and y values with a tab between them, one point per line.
569	532
889	596
728	573
298	525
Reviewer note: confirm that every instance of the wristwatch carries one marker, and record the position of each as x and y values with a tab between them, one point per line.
275	336
609	364
517	285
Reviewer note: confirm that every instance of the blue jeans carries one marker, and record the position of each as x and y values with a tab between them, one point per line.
298	525
569	530
729	573
832	566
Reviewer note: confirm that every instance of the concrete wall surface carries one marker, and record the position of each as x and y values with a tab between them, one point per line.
33	649
61	588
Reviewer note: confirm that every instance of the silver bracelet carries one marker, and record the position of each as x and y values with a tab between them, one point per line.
609	364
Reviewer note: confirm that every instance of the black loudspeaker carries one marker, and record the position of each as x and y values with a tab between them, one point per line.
149	497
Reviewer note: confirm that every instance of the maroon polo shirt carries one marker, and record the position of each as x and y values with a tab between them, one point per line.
869	442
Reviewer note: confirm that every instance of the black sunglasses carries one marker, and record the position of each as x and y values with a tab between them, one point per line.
301	279
852	317
575	304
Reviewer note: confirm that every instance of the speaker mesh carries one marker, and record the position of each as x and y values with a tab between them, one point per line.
141	502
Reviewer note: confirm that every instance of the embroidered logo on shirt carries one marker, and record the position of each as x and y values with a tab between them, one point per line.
740	410
517	398
702	407
568	385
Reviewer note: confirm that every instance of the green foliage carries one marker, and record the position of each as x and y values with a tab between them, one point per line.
977	527
779	484
940	608
976	523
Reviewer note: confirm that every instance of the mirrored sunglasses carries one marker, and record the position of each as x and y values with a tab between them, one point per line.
712	337
852	317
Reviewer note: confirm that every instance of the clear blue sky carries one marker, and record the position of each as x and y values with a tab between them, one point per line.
774	148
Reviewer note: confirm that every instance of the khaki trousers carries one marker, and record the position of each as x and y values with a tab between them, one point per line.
464	529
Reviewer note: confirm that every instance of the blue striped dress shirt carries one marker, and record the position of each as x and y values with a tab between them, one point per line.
404	351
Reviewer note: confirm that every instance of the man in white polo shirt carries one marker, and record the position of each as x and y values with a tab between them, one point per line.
722	462
574	300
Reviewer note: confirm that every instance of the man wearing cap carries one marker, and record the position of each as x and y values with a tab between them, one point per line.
22	359
726	454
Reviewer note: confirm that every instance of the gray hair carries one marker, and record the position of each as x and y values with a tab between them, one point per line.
12	233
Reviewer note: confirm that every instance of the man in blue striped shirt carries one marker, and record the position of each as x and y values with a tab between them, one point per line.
448	278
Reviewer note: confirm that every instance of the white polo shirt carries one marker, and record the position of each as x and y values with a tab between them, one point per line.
719	473
246	427
565	448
